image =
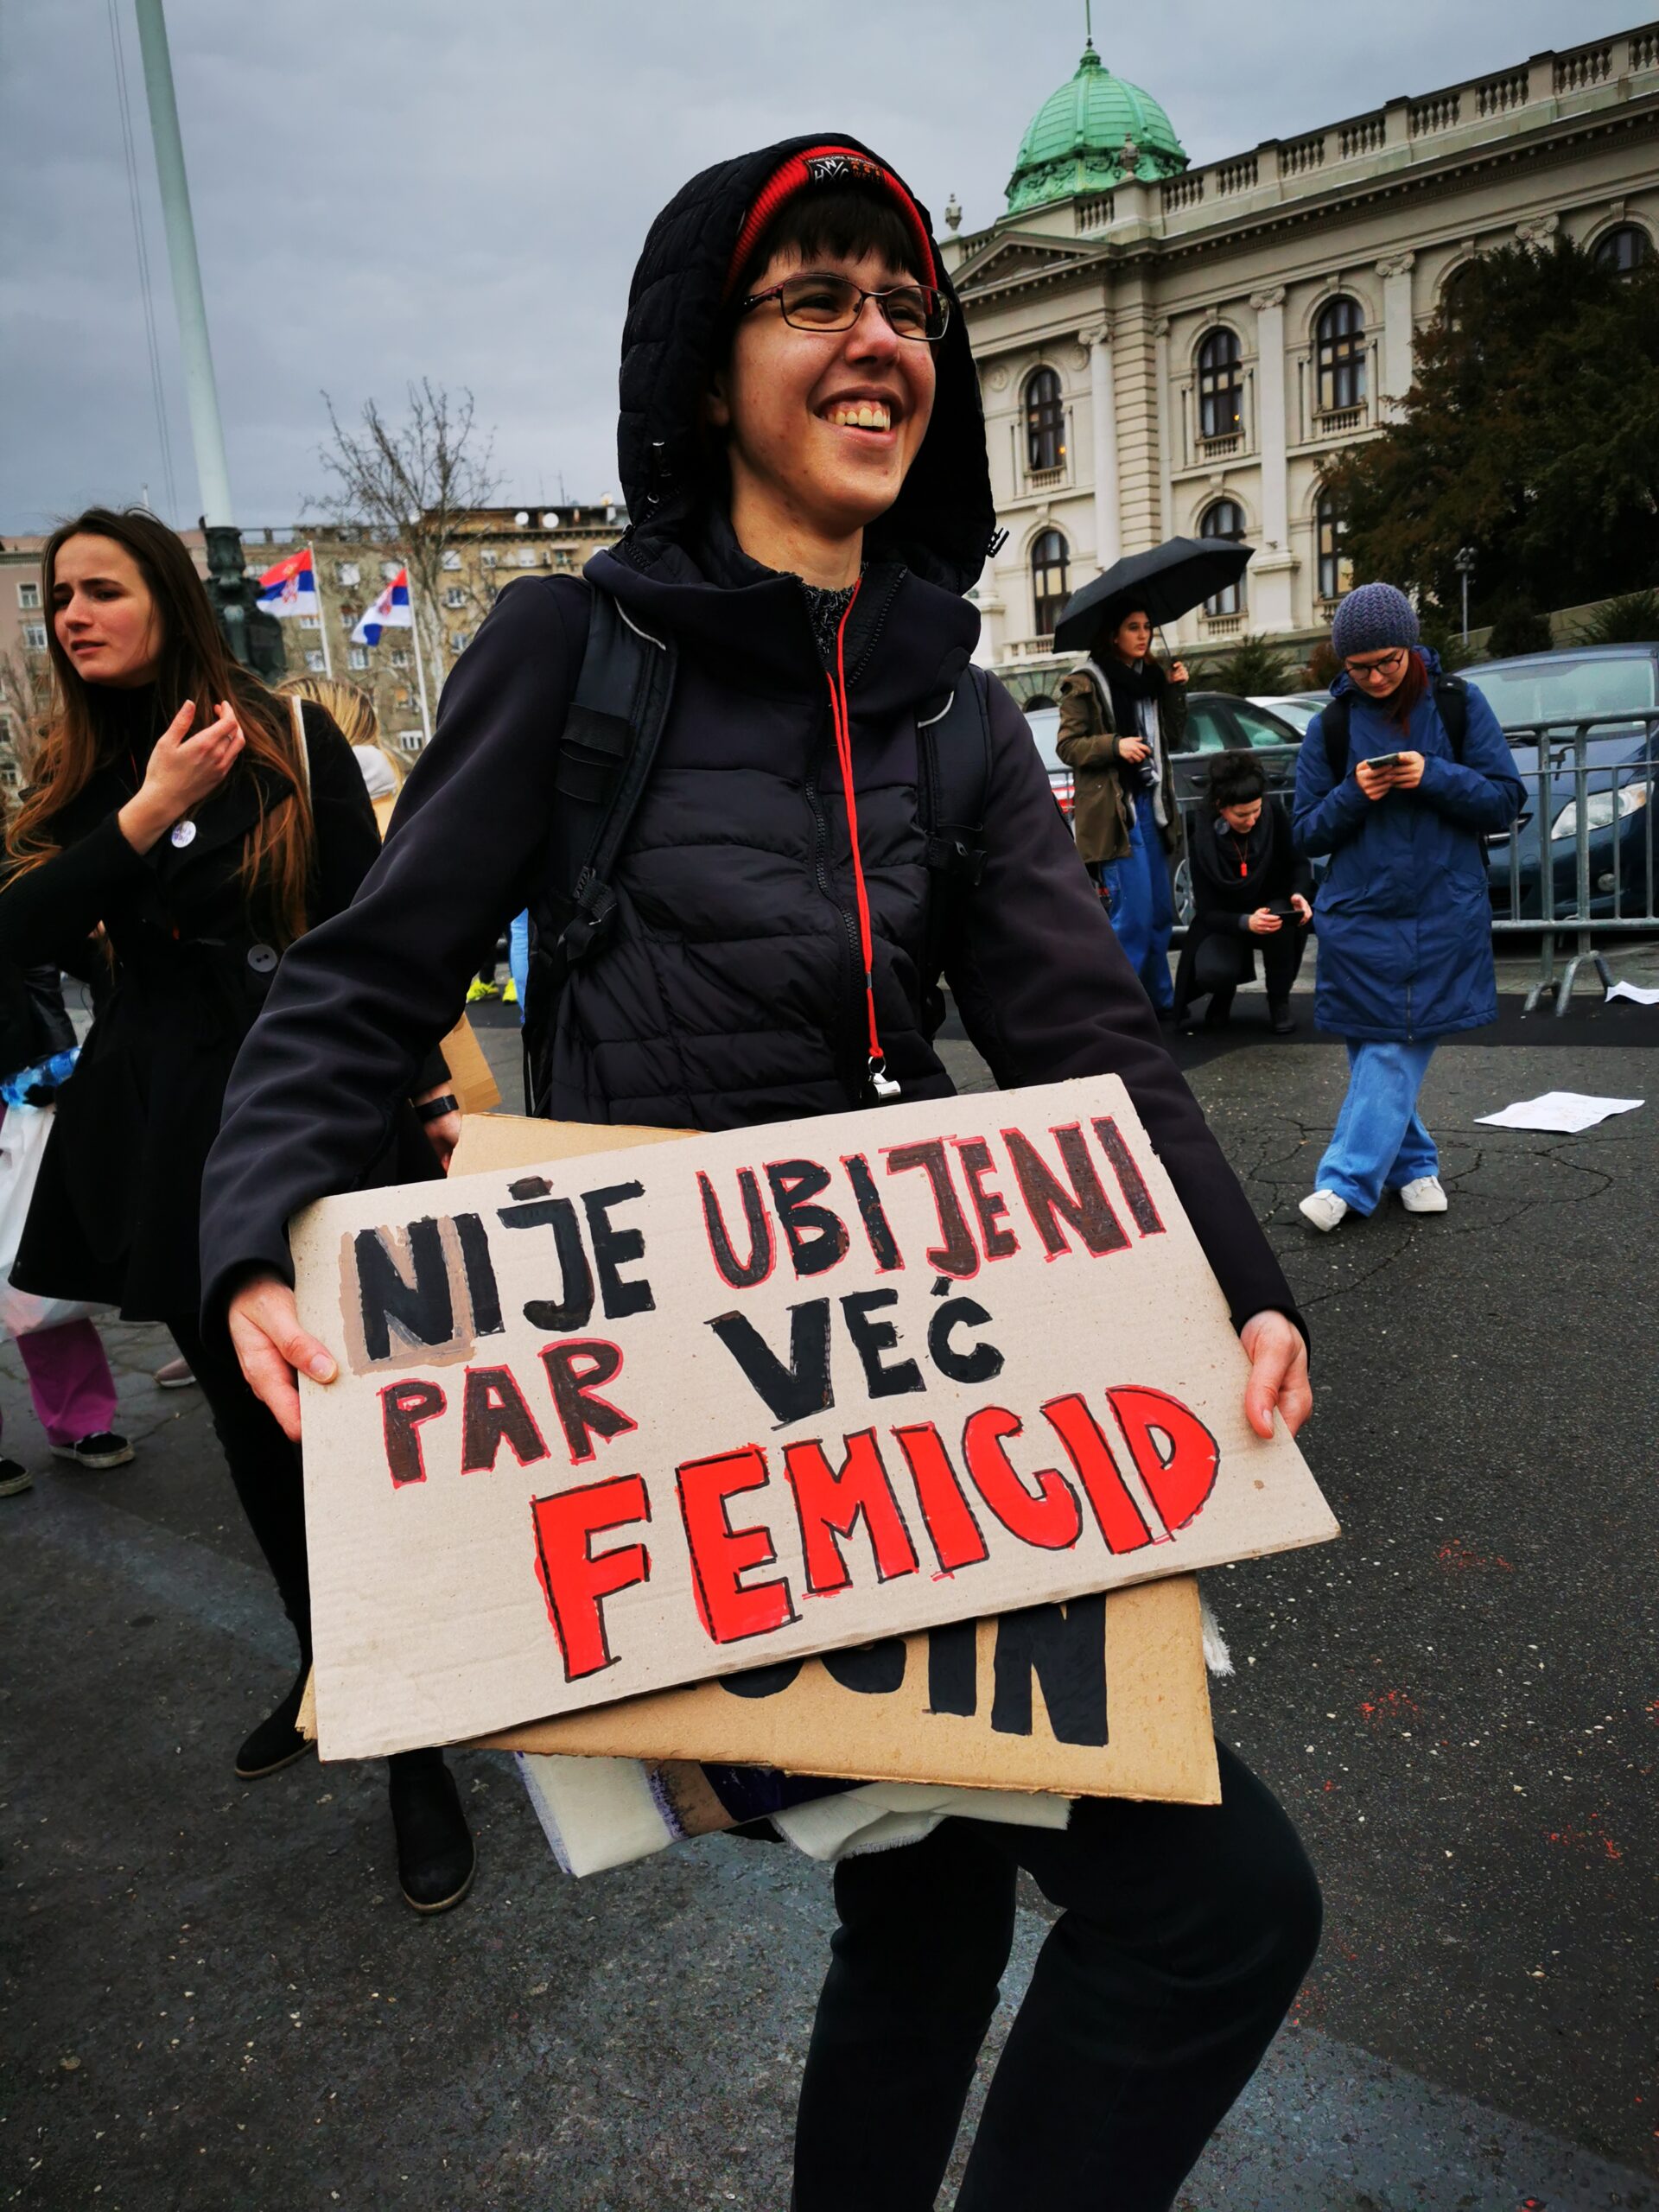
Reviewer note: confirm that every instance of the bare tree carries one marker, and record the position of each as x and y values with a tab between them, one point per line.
25	705
410	484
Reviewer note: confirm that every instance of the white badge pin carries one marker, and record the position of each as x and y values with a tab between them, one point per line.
183	834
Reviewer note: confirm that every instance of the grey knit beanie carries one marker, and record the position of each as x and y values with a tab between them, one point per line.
1372	617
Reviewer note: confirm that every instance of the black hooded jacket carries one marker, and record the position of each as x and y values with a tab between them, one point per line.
728	992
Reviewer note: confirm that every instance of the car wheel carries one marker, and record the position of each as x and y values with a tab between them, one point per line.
1182	892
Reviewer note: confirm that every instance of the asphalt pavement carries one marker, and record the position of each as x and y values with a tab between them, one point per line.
214	1997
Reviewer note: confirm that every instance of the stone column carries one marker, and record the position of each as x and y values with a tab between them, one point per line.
1269	581
1109	534
1395	270
1160	357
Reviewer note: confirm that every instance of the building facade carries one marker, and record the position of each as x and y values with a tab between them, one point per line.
1166	350
493	546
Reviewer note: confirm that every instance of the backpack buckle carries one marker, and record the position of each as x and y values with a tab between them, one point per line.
595	910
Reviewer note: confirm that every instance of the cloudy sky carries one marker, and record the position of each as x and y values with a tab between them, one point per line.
458	188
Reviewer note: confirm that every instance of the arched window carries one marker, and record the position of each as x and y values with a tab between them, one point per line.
1050	560
1044	422
1623	249
1452	294
1339	356
1221	386
1225	519
1336	570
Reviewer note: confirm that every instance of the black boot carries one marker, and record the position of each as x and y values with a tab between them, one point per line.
276	1742
1280	1019
1219	1012
436	1859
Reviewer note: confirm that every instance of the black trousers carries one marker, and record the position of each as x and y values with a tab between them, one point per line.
265	1466
1214	962
1185	1932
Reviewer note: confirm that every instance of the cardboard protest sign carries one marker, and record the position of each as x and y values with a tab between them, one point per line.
1105	1697
637	1420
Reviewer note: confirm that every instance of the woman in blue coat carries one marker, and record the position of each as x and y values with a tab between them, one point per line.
1404	915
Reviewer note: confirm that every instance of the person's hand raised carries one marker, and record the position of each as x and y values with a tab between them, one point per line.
182	770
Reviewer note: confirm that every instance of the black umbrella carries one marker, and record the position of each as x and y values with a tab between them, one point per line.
1173	576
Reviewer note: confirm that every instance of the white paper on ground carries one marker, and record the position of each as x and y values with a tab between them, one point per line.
1566	1112
1638	992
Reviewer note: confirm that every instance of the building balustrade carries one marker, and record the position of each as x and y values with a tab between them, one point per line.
1500	94
1442	113
1306	153
1577	72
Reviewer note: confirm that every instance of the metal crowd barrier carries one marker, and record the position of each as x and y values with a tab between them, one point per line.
1589	785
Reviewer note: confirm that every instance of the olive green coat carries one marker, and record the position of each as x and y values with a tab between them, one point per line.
1088	745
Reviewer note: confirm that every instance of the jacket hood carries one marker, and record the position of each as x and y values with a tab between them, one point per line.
1344	683
940	525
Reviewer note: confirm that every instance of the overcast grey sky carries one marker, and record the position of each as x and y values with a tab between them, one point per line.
458	188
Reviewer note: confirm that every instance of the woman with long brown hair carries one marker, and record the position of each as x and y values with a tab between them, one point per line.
204	824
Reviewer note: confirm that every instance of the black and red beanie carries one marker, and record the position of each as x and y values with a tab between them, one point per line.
820	165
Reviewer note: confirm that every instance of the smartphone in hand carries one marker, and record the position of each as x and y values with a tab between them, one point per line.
1382	760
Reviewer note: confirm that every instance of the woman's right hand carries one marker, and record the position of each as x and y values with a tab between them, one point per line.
182	772
1375	783
1264	922
1134	750
271	1345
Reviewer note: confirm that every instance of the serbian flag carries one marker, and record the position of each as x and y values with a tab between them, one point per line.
390	611
291	587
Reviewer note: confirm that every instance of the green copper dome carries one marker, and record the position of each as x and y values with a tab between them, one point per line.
1077	141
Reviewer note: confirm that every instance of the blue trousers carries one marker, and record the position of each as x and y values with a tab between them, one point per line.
1138	907
519	957
1379	1142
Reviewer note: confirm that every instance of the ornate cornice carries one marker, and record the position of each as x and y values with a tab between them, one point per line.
1396	264
1273	297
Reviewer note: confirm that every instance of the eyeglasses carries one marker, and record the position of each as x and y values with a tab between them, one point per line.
825	303
1362	671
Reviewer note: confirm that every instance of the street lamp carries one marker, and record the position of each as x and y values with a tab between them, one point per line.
1465	564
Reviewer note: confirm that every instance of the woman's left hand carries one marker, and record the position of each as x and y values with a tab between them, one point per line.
443	1135
1177	673
1408	771
1304	911
1278	1373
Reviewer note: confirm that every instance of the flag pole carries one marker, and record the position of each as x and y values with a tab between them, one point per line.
420	664
322	614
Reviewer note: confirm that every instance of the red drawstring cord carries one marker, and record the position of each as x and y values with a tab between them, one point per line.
840	718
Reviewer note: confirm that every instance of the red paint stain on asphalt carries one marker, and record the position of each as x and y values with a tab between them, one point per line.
1390	1705
1584	1839
1457	1557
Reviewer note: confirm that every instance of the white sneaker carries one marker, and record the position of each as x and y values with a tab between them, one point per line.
1324	1209
1423	1196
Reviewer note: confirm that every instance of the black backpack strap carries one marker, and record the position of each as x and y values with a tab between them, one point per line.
1452	697
1333	727
605	752
953	778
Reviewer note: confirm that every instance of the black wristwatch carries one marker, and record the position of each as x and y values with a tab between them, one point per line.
435	1108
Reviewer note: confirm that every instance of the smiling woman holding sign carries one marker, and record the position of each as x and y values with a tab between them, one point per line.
757	802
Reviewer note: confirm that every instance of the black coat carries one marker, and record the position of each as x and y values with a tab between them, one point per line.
1233	875
114	1216
729	993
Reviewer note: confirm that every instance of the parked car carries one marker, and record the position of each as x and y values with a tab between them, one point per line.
1296	708
1544	701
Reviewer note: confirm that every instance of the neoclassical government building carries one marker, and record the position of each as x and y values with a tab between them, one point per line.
1169	350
